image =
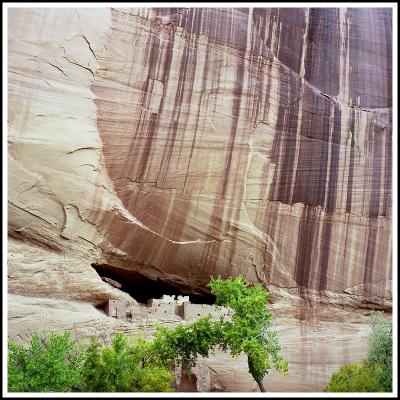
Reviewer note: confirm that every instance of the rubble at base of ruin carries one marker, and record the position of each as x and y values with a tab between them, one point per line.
169	307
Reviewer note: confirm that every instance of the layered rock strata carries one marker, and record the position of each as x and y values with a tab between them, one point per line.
190	142
185	143
316	339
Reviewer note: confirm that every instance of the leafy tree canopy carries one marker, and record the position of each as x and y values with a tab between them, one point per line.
374	374
356	378
49	364
58	364
381	349
124	368
249	330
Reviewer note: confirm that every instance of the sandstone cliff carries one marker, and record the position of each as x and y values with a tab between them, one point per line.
184	143
189	142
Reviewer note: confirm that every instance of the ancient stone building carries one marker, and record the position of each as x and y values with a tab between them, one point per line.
167	306
175	144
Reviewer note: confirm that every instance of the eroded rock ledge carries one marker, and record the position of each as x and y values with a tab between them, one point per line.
184	143
179	144
51	292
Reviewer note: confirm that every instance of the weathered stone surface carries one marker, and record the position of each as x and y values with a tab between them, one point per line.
316	340
36	272
184	143
189	142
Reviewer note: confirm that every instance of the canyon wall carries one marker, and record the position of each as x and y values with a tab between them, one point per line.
189	143
184	143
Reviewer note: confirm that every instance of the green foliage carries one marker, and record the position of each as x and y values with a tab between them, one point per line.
248	331
381	349
356	377
56	364
49	364
374	374
124	368
186	342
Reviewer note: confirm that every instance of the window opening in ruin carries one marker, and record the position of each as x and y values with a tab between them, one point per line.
142	288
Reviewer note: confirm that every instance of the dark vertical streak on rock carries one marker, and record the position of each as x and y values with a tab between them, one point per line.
334	164
388	177
351	164
185	87
294	25
388	54
156	52
387	209
272	21
370	255
325	251
284	145
152	55
277	147
376	174
322	55
309	60
146	149
304	248
321	151
205	75
214	23
289	155
370	27
235	116
270	224
309	163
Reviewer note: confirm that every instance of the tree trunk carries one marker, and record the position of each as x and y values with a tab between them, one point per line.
260	385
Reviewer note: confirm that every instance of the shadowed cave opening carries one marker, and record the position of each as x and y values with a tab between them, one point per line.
143	288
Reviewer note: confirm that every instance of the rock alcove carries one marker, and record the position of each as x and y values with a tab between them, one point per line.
143	288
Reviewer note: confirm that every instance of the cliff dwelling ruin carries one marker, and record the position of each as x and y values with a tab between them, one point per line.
158	147
143	289
163	308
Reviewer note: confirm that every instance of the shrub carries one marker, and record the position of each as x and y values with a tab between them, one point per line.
55	363
50	364
356	377
380	352
124	368
374	374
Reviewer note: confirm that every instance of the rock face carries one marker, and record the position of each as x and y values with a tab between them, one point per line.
189	142
184	143
316	343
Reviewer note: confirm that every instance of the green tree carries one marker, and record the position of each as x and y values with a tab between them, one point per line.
56	363
49	364
185	343
356	378
381	349
374	374
249	330
124	368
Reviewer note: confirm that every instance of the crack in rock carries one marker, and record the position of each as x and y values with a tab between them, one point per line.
83	148
55	66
